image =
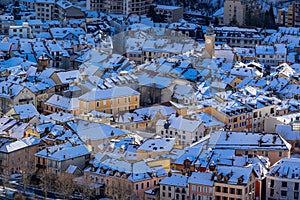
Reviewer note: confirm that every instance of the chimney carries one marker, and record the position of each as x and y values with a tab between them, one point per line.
3	91
274	139
227	136
10	91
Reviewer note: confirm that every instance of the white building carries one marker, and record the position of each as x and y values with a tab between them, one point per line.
283	179
23	31
186	131
271	55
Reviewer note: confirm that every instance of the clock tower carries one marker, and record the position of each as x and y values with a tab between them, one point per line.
210	36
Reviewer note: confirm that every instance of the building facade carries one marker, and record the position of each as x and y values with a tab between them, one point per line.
283	180
290	16
110	101
235	183
234	12
125	7
201	185
17	156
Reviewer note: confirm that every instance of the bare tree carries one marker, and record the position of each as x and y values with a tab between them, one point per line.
27	172
121	191
5	178
65	185
46	181
86	188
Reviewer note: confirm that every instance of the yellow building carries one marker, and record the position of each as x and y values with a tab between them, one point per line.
110	101
235	117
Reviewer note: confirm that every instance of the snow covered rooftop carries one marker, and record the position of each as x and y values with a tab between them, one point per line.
26	111
158	145
286	168
244	140
63	152
175	180
202	178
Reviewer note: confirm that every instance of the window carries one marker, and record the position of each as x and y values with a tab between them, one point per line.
239	191
199	189
97	103
272	192
296	186
142	186
193	188
272	183
296	195
279	153
283	193
164	187
255	115
125	100
225	189
232	191
137	186
283	184
169	188
218	189
266	153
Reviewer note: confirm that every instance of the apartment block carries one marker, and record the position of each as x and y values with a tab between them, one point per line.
44	9
125	7
171	13
290	16
234	12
